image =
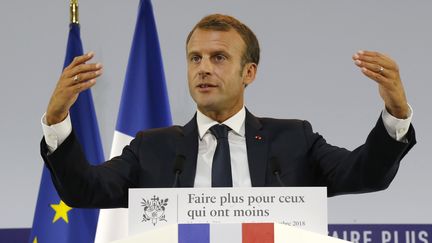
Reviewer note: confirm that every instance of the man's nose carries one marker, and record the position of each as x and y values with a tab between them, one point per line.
205	67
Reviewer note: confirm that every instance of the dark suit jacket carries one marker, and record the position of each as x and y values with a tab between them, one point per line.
303	159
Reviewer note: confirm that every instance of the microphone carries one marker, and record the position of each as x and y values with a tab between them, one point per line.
275	169
178	168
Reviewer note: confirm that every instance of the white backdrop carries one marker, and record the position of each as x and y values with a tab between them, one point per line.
306	72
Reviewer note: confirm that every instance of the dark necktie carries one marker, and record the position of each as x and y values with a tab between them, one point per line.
221	168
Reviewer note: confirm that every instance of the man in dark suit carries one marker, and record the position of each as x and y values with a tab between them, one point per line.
223	56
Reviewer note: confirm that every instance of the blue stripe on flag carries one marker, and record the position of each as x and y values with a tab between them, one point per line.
194	233
144	102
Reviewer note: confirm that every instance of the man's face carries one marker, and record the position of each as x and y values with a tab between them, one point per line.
216	78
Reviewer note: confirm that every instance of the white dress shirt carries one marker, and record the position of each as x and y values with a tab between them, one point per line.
207	147
57	133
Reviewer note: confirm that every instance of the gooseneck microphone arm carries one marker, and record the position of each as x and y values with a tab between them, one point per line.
275	170
178	169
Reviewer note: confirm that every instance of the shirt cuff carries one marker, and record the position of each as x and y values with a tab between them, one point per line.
397	128
56	134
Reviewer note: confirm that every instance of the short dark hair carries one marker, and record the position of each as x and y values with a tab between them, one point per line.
220	22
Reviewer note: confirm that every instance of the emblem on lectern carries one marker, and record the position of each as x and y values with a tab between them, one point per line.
154	209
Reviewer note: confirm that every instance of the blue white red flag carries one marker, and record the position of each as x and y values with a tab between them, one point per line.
144	105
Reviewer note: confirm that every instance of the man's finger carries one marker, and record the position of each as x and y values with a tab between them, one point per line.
374	68
377	58
376	76
82	86
82	68
369	53
80	60
375	54
73	75
84	77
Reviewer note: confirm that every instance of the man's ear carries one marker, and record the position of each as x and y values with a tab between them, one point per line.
249	73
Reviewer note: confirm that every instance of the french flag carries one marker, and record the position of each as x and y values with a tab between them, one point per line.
244	233
144	105
230	233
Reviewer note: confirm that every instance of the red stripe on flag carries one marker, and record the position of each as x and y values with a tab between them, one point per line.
258	233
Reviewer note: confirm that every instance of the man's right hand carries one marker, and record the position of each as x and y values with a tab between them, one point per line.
76	77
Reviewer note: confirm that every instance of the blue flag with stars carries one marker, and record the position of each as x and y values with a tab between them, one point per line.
54	221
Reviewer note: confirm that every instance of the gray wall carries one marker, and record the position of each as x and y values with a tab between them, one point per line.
306	72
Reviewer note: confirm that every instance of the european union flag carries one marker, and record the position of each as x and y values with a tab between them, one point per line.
54	221
144	105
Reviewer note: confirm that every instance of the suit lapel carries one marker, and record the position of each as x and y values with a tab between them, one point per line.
257	142
187	145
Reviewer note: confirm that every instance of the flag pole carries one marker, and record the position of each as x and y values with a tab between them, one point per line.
74	16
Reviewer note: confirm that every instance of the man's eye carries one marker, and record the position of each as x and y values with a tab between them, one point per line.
220	58
195	59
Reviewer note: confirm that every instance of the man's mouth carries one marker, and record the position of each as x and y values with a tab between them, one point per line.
206	86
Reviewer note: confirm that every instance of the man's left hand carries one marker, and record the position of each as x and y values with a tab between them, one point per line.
385	72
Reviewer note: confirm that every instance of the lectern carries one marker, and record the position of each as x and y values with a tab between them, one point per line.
228	215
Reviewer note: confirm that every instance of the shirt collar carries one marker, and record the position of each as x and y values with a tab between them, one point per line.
236	123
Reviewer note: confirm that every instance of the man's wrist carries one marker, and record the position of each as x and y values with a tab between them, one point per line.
397	128
402	112
56	134
52	119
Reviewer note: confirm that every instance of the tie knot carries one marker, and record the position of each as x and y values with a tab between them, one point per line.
220	131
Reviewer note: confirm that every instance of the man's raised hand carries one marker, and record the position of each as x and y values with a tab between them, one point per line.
385	72
76	77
